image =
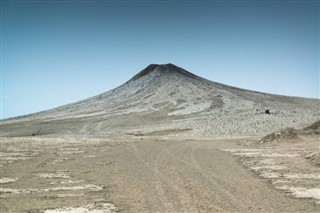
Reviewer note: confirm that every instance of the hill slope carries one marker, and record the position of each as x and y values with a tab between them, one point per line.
168	100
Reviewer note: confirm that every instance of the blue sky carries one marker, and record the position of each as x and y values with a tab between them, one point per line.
57	52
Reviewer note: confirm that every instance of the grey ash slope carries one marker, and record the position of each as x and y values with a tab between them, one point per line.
168	100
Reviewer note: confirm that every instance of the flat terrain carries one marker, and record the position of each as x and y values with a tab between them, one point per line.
145	174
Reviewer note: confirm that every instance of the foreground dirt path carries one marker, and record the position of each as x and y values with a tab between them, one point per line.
149	175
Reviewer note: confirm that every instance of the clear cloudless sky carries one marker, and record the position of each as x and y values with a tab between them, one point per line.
57	52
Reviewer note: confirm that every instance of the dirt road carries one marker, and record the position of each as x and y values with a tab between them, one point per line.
134	175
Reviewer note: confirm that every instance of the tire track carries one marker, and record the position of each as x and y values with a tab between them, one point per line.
161	182
214	178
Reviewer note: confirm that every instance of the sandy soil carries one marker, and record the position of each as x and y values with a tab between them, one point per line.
145	174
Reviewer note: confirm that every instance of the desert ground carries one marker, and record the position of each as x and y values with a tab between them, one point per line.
162	174
165	141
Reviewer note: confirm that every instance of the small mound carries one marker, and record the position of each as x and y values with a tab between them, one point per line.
315	126
285	134
313	129
314	158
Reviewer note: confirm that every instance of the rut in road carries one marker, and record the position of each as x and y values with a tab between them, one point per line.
181	191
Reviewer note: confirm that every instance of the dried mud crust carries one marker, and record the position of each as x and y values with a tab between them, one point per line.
292	167
48	181
90	208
